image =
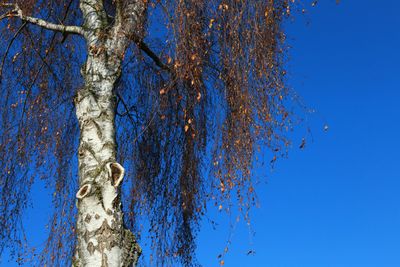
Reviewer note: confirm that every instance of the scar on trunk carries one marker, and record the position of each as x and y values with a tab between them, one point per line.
83	191
116	173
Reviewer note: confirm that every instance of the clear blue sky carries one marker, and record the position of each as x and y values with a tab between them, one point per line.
337	202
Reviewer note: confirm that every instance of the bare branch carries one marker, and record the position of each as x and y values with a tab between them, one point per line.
17	12
147	50
4	16
127	109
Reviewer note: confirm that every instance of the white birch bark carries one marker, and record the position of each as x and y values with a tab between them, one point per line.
102	239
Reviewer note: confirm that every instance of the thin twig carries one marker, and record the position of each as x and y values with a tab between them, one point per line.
148	124
126	108
8	48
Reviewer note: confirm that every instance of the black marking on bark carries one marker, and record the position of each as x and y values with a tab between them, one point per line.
104	230
93	122
86	236
109	145
91	248
104	260
98	129
87	147
82	166
96	187
81	94
88	218
81	153
116	203
105	115
94	172
106	237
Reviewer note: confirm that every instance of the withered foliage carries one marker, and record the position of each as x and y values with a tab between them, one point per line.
192	112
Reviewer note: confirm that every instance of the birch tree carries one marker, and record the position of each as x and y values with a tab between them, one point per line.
133	111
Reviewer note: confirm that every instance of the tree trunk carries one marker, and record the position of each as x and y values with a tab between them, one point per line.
102	239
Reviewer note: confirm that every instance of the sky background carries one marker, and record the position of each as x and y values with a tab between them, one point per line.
334	203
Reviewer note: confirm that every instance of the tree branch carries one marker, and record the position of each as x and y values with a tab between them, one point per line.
129	20
143	46
17	12
131	15
94	19
127	110
146	49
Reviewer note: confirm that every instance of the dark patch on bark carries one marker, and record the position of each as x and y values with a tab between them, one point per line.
90	248
131	249
83	191
88	218
116	173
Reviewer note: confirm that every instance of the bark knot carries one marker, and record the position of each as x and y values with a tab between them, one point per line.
116	173
83	191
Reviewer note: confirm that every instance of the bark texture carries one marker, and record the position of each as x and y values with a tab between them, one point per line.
102	238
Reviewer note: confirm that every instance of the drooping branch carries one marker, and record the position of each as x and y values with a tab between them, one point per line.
8	48
18	13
